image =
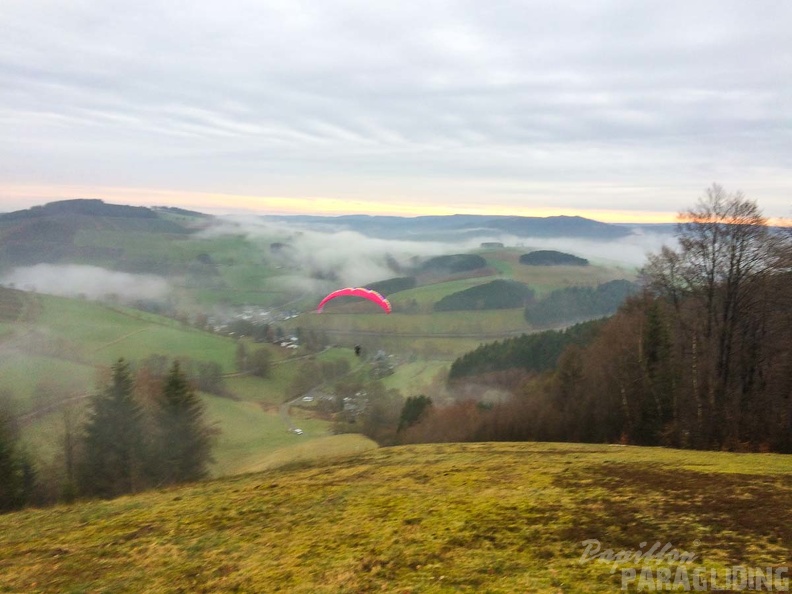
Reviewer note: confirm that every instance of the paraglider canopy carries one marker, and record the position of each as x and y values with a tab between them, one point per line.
357	292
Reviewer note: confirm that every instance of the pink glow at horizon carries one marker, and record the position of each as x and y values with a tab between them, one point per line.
19	198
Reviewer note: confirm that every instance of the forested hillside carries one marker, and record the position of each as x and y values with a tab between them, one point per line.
56	232
393	285
80	207
579	303
701	358
451	264
497	294
529	352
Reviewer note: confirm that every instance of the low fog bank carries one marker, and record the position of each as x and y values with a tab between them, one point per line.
314	259
631	250
91	282
339	257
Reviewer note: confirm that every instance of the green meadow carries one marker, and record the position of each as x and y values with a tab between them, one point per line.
249	434
101	334
29	378
485	517
421	325
412	379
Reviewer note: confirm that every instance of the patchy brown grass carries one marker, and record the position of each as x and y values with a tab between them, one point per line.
430	518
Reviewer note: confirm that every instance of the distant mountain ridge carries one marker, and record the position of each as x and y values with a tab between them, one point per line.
80	206
461	226
50	233
440	227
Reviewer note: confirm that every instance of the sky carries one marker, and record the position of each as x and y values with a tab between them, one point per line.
621	110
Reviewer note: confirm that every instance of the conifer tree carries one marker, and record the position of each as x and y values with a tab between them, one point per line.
184	439
15	471
414	407
113	440
658	405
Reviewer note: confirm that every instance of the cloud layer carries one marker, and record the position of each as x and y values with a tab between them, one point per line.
316	261
603	104
91	282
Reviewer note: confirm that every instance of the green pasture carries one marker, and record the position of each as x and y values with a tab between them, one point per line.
428	295
442	335
87	325
139	246
418	377
270	390
274	389
102	335
255	389
313	451
438	324
171	342
249	433
337	354
443	349
180	249
22	375
43	436
227	250
502	267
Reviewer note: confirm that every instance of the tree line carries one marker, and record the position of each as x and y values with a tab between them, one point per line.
578	303
497	294
531	352
551	258
141	431
700	358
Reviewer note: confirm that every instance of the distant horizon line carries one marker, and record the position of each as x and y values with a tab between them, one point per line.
221	204
235	212
24	197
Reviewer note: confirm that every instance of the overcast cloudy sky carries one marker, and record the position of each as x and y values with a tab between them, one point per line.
620	109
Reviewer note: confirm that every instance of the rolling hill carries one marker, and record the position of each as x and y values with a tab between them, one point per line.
494	517
551	258
53	232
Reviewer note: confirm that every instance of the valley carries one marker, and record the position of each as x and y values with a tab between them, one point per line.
189	287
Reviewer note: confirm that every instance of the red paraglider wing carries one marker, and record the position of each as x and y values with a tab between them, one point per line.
357	292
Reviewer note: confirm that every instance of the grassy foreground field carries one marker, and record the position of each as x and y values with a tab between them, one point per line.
432	518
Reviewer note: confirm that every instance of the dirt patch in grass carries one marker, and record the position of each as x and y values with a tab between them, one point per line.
735	519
